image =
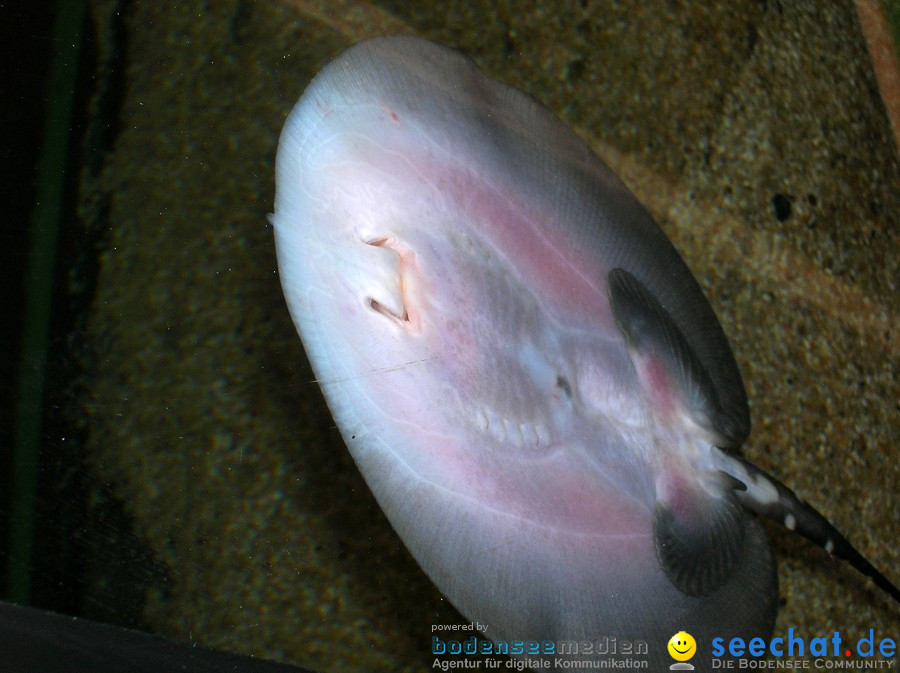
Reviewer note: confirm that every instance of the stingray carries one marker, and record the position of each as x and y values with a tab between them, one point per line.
521	364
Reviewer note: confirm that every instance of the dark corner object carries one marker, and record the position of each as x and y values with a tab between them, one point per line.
36	641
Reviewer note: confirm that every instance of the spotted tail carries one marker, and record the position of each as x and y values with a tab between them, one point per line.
765	495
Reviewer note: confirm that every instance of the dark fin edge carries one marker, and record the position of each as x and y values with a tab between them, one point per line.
700	552
765	495
648	328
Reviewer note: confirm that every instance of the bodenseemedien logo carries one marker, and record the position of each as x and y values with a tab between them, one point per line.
682	647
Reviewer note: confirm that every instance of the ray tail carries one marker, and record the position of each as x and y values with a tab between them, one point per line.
765	495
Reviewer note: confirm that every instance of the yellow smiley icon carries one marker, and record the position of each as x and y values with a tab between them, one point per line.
682	646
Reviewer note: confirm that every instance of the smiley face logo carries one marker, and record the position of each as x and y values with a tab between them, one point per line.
682	646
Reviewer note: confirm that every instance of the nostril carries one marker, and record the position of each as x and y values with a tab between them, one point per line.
382	242
378	307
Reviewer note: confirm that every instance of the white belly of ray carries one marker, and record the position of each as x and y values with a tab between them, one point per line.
444	245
